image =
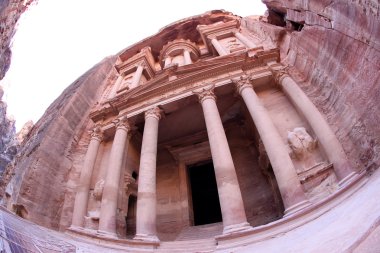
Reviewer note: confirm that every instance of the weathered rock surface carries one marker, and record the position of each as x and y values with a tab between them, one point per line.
8	145
10	12
333	50
37	179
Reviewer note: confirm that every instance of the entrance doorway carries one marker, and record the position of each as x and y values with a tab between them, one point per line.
204	192
130	219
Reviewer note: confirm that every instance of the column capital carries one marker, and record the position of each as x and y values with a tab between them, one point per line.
206	93
121	123
154	112
279	74
96	133
242	82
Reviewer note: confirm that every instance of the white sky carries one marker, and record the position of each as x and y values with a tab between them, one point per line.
58	40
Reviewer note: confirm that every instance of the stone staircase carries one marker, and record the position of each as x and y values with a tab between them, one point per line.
200	232
198	239
199	246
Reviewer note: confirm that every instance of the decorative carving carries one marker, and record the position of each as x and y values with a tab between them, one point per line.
243	82
280	74
206	93
121	123
301	143
96	133
154	112
98	189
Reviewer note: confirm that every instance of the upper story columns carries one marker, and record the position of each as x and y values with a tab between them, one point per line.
326	137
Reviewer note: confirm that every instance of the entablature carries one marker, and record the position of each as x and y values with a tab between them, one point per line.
179	82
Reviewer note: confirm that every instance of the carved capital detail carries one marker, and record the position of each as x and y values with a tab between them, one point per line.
279	74
243	82
96	133
154	112
121	124
206	93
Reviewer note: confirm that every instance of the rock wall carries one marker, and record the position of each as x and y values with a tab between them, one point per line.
333	52
36	183
8	145
10	12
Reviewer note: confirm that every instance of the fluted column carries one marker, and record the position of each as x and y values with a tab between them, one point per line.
83	191
290	187
321	128
218	47
231	201
146	194
245	40
108	209
137	76
186	55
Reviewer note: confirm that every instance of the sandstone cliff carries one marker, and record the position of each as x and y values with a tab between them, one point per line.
35	184
333	50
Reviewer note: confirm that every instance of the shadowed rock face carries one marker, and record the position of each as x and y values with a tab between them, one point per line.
333	50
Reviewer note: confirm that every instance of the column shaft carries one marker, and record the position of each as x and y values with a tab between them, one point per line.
325	135
218	47
108	209
291	190
81	198
245	40
115	87
146	195
136	77
186	55
231	201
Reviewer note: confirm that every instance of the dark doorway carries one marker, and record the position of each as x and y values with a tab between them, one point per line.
130	219
205	198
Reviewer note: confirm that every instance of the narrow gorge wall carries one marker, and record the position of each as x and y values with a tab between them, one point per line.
37	181
333	51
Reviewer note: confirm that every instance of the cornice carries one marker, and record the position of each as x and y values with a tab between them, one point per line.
187	77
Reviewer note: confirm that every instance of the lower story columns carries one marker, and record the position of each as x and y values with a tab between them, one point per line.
108	209
324	133
146	195
231	201
290	187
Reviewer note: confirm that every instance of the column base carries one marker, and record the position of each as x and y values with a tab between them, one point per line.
348	179
107	234
241	227
296	208
146	238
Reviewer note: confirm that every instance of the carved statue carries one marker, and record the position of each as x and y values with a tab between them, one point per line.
301	143
98	189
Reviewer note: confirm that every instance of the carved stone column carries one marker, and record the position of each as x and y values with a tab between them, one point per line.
137	76
231	201
290	187
324	133
218	47
186	55
146	194
245	40
116	86
83	191
168	61
108	208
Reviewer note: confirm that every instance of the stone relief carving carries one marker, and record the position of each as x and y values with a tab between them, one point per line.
301	143
98	189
